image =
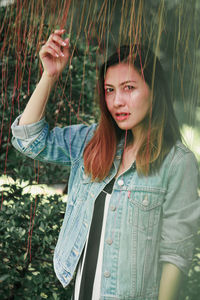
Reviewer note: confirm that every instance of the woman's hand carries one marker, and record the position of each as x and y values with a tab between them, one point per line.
54	54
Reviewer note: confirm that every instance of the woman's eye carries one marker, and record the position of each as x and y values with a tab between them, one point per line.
109	90
128	87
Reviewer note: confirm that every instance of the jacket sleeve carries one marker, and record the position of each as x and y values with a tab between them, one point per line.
60	145
181	213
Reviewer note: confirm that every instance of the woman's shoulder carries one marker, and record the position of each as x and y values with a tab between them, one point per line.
182	150
84	127
75	132
84	130
180	154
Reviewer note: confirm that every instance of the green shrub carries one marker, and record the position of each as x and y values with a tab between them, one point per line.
22	276
190	288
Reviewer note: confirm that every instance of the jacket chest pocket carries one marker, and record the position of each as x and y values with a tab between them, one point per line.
145	209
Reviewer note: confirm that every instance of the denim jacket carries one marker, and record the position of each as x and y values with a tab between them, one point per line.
150	219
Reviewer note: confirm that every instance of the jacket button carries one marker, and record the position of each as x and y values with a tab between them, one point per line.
109	241
120	182
106	274
113	207
145	202
86	224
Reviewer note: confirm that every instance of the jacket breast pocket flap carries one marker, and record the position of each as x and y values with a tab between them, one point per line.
146	200
145	209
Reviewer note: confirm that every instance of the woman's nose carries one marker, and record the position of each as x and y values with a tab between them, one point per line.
118	100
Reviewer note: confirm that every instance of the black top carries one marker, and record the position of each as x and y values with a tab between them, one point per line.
90	263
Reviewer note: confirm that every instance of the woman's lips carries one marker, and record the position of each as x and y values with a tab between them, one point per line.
122	116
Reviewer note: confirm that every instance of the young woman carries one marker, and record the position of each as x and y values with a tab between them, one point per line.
133	206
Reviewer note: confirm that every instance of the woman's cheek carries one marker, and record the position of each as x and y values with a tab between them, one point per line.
109	104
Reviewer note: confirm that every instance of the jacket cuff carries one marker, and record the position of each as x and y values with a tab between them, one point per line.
178	261
26	131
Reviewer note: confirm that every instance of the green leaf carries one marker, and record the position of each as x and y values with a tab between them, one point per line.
3	277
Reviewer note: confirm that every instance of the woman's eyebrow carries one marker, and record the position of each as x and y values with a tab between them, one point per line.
128	81
108	84
122	83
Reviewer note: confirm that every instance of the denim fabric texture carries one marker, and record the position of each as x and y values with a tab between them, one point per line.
150	220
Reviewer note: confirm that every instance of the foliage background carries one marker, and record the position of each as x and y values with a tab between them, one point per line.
96	28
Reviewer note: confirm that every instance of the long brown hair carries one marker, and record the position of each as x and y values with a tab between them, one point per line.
160	127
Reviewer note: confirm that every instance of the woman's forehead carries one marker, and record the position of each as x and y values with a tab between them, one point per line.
122	72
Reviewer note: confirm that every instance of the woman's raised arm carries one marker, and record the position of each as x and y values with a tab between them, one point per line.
54	56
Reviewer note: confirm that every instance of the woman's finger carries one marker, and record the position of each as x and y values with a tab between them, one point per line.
57	39
67	46
55	45
56	48
47	50
59	31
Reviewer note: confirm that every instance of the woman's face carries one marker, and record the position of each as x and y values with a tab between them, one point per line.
127	95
